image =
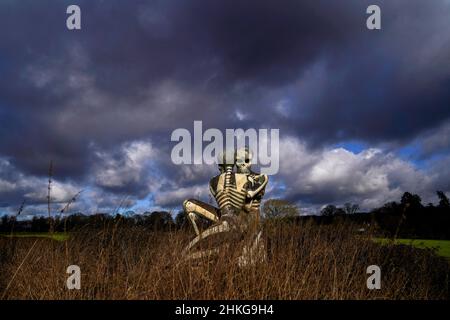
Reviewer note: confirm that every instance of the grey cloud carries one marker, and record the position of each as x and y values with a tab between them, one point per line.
138	70
434	141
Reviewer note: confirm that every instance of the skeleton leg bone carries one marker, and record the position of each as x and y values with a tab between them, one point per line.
195	208
222	227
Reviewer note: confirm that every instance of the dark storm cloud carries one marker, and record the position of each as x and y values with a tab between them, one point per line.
139	69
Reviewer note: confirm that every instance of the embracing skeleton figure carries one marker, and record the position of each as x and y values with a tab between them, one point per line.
238	195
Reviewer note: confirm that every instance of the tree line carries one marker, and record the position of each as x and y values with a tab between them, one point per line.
408	218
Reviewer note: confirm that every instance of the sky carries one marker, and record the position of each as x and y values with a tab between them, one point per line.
364	115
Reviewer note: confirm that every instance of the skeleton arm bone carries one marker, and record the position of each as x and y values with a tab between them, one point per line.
253	193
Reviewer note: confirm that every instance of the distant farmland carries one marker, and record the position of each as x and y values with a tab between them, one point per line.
59	236
442	247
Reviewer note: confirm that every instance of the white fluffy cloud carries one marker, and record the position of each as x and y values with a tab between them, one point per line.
60	192
129	166
33	189
336	175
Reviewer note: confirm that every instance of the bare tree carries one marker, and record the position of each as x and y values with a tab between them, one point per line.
277	208
350	208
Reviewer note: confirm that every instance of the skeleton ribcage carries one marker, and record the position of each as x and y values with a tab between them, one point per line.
231	197
231	191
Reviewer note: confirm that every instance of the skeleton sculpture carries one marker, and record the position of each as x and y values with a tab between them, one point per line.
254	250
257	182
238	195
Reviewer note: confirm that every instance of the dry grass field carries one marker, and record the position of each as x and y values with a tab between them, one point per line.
304	261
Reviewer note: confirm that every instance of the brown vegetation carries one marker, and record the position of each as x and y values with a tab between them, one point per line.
305	261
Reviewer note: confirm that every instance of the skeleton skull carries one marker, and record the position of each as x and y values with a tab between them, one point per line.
243	160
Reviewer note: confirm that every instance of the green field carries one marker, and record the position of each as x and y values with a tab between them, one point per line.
442	246
58	236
